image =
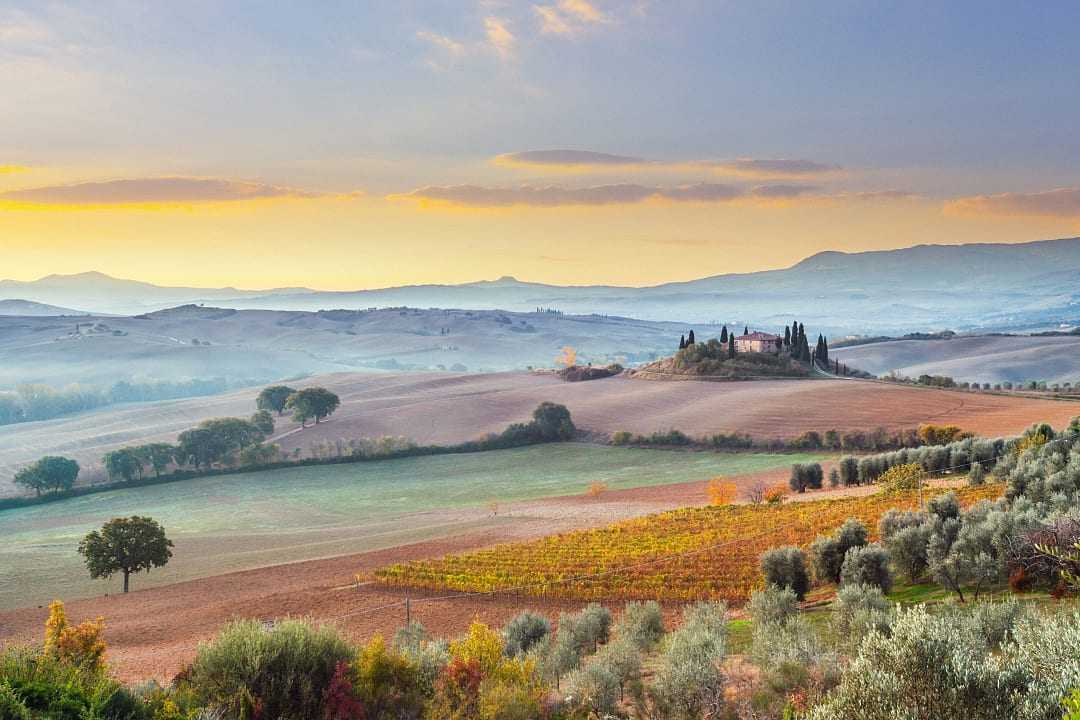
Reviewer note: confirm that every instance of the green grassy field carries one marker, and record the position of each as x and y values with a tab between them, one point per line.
235	522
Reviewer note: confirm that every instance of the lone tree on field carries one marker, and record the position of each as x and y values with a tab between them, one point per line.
125	545
273	398
50	473
314	402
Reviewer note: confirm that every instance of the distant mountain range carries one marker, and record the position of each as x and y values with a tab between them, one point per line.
28	308
1027	286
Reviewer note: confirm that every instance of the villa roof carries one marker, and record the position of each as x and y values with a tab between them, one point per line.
759	336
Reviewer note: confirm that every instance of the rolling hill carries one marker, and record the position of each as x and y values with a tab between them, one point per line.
980	358
446	408
28	308
192	342
1021	286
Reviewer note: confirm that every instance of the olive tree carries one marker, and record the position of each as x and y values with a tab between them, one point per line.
785	567
867	565
828	552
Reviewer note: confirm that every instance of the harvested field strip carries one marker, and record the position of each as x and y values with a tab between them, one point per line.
689	554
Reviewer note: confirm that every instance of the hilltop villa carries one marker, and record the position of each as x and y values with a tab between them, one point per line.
759	342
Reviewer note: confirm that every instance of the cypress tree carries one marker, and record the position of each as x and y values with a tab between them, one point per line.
690	339
787	336
682	342
723	334
802	335
746	330
731	348
794	338
824	352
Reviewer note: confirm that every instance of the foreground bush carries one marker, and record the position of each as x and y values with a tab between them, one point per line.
690	683
283	672
942	667
39	686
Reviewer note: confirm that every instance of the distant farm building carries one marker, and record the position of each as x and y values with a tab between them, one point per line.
759	342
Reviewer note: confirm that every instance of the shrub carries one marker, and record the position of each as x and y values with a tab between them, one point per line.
828	552
867	565
689	682
622	437
834	478
595	687
995	621
524	631
795	642
773	605
941	667
775	495
977	475
642	624
284	671
858	610
785	567
386	683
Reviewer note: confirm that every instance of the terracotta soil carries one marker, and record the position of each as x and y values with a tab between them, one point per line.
155	632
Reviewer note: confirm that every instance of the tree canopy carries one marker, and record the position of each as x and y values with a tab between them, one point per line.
51	473
313	402
215	441
125	545
274	398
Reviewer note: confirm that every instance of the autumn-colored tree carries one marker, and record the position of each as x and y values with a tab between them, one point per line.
81	646
597	488
568	358
722	492
899	478
776	494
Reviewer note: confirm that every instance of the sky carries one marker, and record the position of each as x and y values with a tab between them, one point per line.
349	145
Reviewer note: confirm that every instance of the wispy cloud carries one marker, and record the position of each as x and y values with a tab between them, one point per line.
550	196
1060	202
555	196
759	167
569	17
153	190
443	42
566	159
499	37
586	160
